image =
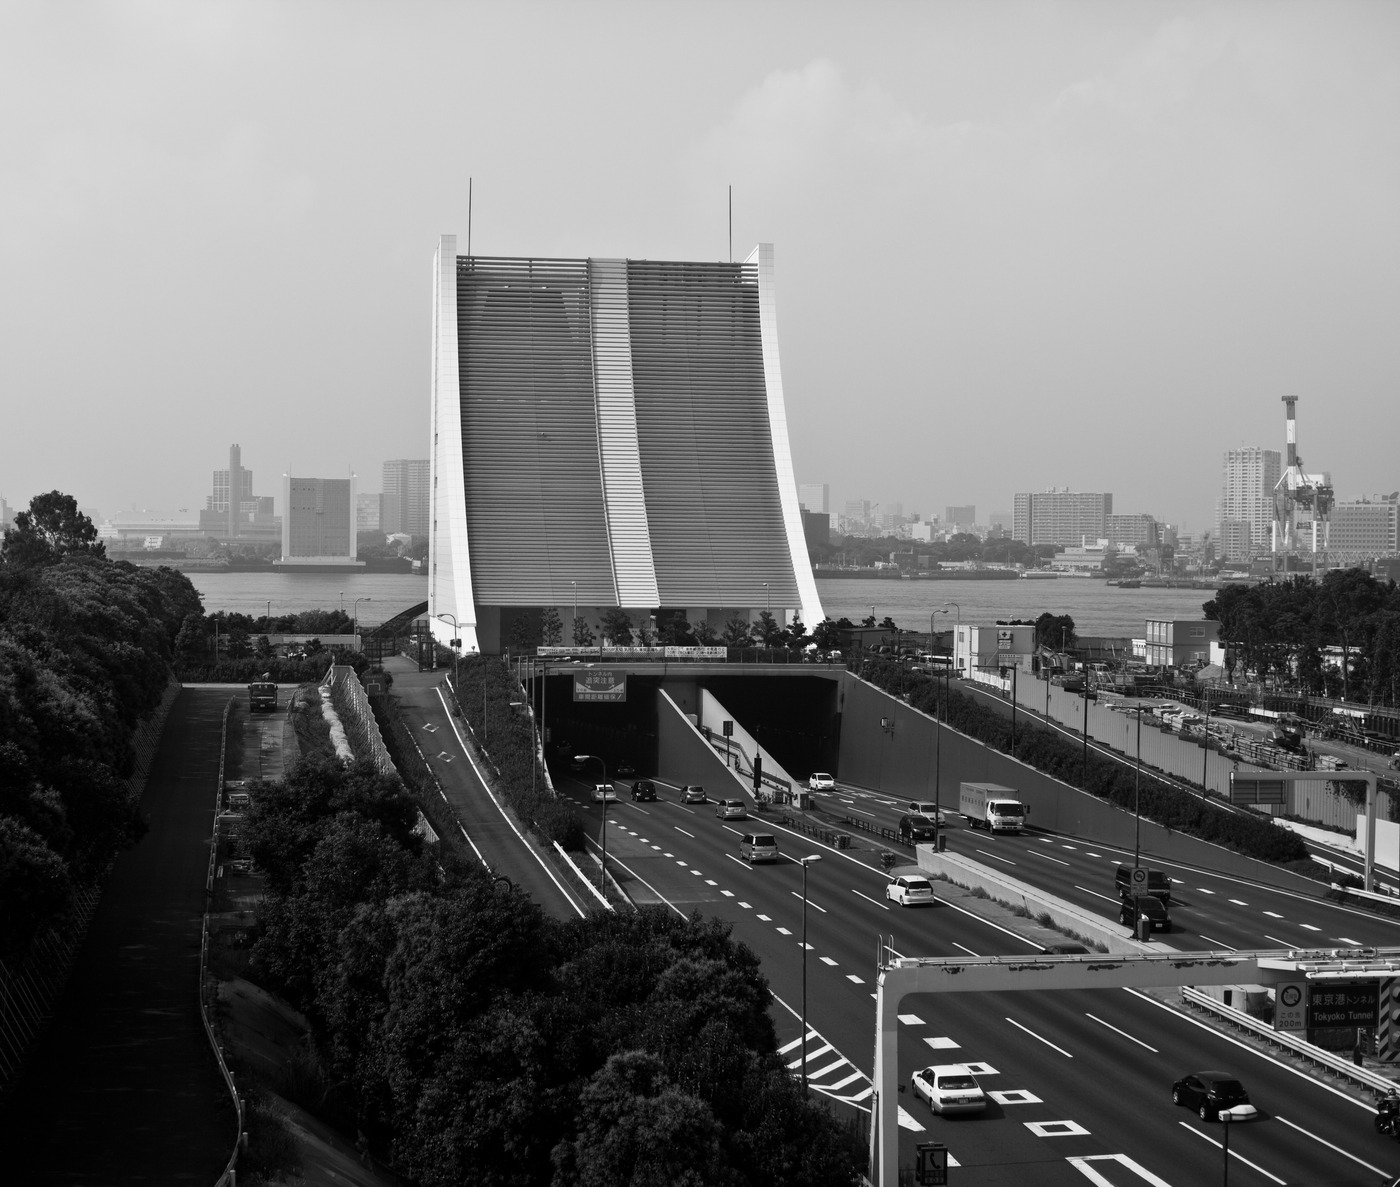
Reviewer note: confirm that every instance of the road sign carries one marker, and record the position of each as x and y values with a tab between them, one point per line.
1139	877
1346	1003
1257	789
1289	1012
932	1167
600	684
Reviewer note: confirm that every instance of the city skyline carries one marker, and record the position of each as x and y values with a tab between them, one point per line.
1093	244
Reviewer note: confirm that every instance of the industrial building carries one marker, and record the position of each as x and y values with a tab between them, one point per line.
609	434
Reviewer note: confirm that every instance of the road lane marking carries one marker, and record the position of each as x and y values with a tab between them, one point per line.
854	980
1079	1164
1056	860
911	1019
943	1043
1273	914
810	903
678	829
827	960
966	949
851	1079
1349	940
746	906
735	860
711	882
1280	943
698	874
766	918
1046	1041
981	1069
1090	853
1235	1154
1124	1033
1329	1145
862	811
997	857
1106	897
1016	1096
782	931
1056	1129
727	893
1203	890
826	1071
868	899
1219	944
1239	902
1309	927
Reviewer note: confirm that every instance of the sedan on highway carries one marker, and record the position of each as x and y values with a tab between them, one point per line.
820	781
692	793
950	1088
927	808
909	890
604	793
1212	1093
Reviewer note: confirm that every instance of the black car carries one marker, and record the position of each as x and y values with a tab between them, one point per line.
625	768
644	789
916	827
1135	906
1210	1092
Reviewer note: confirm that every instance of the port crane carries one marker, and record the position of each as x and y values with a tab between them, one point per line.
1301	501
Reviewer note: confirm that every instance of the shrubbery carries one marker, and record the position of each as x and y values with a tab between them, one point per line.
1055	755
476	1040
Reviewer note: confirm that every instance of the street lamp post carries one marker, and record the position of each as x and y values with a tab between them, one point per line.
1225	1146
356	609
937	744
603	870
957	630
1205	747
269	616
456	647
767	598
1137	796
573	625
804	862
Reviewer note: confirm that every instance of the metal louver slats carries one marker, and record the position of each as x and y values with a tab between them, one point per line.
712	499
617	435
533	491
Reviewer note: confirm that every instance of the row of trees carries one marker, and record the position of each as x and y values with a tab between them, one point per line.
86	646
1283	630
480	1041
863	552
1051	752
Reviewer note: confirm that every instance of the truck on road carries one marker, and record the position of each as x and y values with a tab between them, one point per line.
992	806
262	696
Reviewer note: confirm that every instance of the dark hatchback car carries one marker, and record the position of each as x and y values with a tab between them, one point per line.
1209	1092
1135	906
644	789
916	827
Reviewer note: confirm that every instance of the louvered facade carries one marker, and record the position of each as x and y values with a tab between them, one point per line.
609	434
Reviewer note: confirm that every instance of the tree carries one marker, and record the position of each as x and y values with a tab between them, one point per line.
616	626
676	631
736	632
797	634
767	631
583	633
826	636
551	628
705	634
1055	631
522	634
52	528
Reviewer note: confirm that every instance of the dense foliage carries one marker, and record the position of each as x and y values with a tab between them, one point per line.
1281	631
85	652
482	1042
1063	758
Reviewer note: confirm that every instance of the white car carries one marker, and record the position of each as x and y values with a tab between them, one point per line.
950	1088
928	808
820	781
604	793
909	890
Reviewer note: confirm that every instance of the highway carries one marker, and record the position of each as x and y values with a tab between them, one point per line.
1080	1081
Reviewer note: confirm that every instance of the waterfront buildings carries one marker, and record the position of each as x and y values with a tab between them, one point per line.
1180	643
609	434
233	513
368	512
318	527
815	496
405	506
1244	515
1060	516
1363	529
960	519
1129	531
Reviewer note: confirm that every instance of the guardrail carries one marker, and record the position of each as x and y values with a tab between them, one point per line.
1282	1039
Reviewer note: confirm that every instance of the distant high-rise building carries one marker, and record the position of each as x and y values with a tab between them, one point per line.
318	522
815	496
1244	515
407	487
858	509
368	512
1363	529
1063	517
233	512
1132	530
1001	519
960	518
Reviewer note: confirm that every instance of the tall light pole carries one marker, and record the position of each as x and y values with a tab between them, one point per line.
804	862
1137	796
573	626
1205	749
356	609
603	871
269	616
767	598
456	647
937	744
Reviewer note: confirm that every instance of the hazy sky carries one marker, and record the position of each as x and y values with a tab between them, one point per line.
1018	244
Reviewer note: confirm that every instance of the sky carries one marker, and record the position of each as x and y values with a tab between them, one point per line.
1019	245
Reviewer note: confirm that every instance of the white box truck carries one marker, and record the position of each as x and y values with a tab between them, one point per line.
992	806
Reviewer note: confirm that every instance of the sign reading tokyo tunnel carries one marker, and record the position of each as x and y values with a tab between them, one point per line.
596	685
1333	1003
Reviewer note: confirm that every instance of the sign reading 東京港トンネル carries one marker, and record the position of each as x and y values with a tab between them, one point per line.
597	684
1344	1003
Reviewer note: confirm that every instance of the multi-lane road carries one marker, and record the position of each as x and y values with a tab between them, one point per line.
1080	1082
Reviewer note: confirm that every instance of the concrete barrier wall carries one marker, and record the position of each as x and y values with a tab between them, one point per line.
1066	916
685	757
901	763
